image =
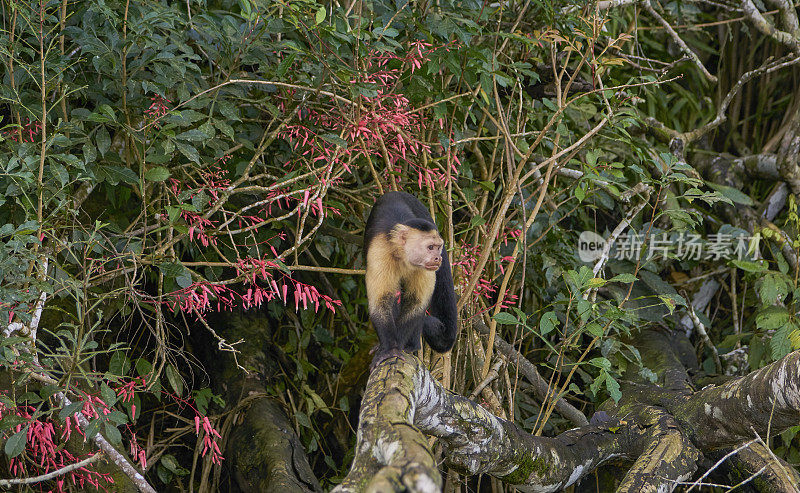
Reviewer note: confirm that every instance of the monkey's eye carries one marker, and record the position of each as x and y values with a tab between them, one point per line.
431	247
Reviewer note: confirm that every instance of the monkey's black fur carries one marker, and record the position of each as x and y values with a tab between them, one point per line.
399	325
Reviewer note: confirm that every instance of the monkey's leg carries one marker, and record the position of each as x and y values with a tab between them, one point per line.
412	331
390	337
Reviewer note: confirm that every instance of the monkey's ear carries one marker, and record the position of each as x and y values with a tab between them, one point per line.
400	233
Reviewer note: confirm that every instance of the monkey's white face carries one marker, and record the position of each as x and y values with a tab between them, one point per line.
423	249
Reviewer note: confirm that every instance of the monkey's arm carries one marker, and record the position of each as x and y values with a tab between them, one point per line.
440	330
383	284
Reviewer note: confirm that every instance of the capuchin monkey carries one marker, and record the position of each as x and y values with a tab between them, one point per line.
406	258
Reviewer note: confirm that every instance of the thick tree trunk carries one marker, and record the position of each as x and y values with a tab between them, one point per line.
263	451
266	455
662	430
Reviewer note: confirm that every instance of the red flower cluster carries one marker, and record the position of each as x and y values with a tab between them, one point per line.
29	131
485	287
158	108
210	437
385	128
261	287
45	451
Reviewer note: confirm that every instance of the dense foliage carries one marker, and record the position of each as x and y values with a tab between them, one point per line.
166	161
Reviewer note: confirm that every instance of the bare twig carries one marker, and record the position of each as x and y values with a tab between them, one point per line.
766	27
681	43
538	384
493	374
721	117
5	483
701	329
249	81
622	226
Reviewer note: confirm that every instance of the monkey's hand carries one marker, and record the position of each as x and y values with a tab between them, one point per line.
384	354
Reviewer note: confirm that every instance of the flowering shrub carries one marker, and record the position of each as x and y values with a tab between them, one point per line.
166	167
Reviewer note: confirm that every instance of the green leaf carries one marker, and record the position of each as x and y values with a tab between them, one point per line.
119	364
595	385
108	395
115	174
613	388
168	461
103	140
231	112
320	16
112	434
159	173
602	363
591	157
15	445
89	153
772	288
584	308
93	428
648	375
669	302
226	129
505	318
318	402
184	280
595	282
189	151
143	367
731	193
173	213
193	135
174	379
581	277
164	474
10	421
334	139
283	67
794	337
60	172
171	269
594	329
780	344
185	117
70	409
625	278
657	284
487	185
548	322
108	111
549	104
748	266
772	317
389	32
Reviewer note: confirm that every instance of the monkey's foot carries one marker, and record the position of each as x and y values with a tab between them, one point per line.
384	355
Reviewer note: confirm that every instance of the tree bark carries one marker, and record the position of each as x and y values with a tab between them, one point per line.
662	429
266	455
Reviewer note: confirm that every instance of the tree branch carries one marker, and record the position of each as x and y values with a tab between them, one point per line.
758	20
402	401
681	43
540	387
5	483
